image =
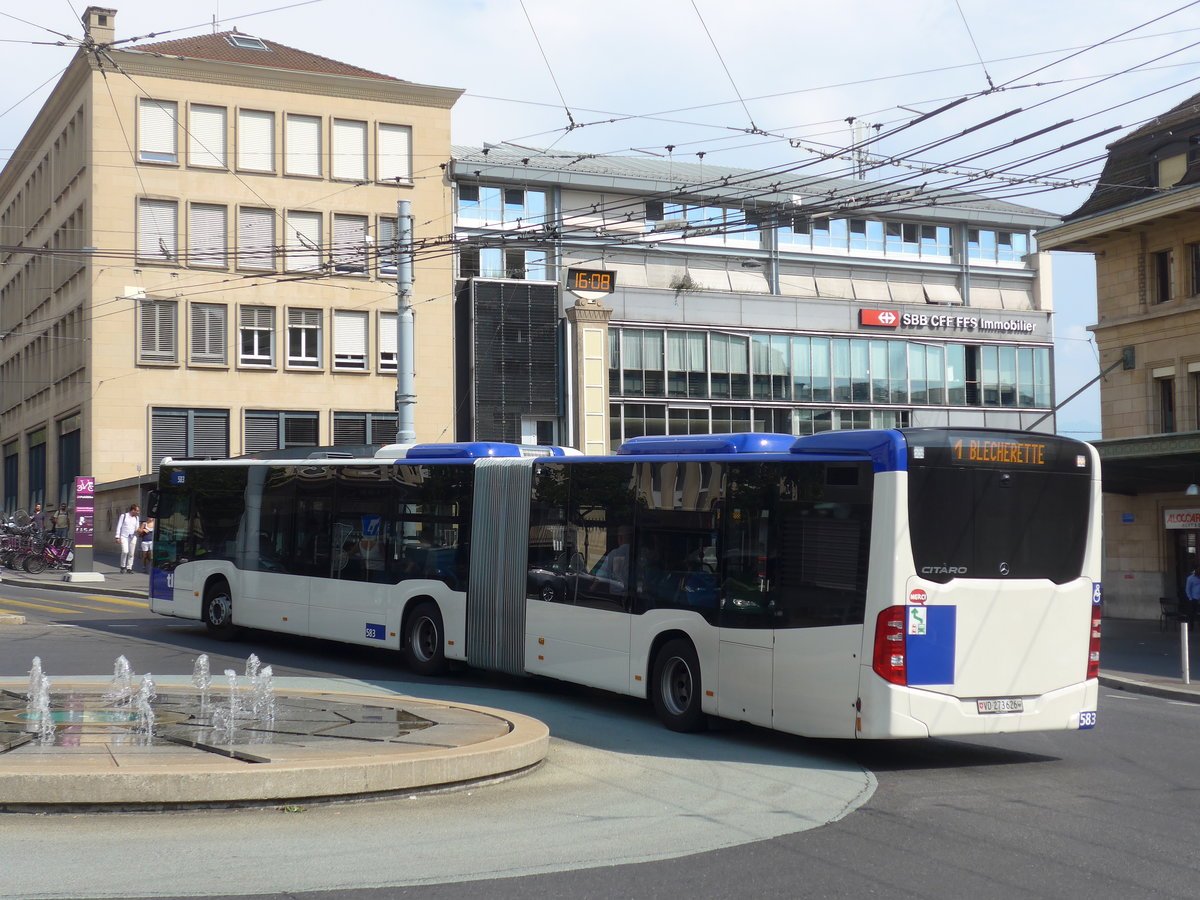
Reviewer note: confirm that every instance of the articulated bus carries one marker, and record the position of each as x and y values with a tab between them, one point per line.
871	584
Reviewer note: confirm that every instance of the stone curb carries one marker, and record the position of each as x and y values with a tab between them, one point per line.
1166	692
87	587
74	782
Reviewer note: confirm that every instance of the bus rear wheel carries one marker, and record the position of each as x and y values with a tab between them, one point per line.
424	640
218	611
675	686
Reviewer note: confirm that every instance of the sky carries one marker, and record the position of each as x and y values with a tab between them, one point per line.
752	84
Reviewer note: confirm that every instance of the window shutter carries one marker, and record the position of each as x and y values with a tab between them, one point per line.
210	434
387	342
303	147
383	428
256	140
208	333
394	153
303	242
349	428
387	245
349	150
261	432
258	317
256	239
156	331
157	134
168	435
208	235
304	318
207	137
158	230
299	430
349	339
349	243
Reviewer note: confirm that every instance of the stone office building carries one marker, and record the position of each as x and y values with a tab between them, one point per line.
193	241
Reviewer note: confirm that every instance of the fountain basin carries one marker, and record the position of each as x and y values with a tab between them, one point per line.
322	745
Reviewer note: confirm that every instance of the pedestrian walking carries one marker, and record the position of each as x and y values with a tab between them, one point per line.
127	536
146	536
39	518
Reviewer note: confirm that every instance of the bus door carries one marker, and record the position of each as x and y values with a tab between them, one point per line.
273	562
746	635
577	622
797	543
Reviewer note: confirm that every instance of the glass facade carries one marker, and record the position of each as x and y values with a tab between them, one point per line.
845	382
495	206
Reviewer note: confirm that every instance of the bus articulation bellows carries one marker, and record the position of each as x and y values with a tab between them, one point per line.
872	584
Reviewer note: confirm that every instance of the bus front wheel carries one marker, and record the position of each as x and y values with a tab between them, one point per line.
424	640
675	686
218	611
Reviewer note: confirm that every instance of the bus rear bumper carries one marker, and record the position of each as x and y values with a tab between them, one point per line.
891	711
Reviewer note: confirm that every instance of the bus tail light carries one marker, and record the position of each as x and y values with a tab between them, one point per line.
890	658
1093	668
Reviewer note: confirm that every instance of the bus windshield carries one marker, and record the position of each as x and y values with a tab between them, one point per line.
981	508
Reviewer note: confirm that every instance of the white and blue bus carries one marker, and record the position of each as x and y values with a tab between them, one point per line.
872	584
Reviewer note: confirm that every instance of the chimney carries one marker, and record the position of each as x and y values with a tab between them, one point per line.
100	24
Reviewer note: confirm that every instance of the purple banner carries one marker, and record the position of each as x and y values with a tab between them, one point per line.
85	510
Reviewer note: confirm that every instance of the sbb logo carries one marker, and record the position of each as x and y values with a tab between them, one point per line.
882	318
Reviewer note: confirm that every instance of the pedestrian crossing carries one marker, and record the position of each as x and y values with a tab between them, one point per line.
70	605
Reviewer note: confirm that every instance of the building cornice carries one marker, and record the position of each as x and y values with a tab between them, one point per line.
231	74
74	79
1149	445
1077	234
1167	310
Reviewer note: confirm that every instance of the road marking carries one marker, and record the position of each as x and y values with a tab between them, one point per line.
75	604
44	606
117	601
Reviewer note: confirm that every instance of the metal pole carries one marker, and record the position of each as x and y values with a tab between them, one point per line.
1183	651
406	398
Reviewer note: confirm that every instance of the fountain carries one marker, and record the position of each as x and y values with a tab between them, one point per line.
120	689
142	708
42	713
201	679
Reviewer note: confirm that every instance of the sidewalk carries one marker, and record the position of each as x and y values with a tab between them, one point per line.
106	562
1135	654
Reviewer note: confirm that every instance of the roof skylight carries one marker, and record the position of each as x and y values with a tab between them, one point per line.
246	42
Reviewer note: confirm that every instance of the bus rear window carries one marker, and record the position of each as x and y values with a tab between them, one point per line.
998	523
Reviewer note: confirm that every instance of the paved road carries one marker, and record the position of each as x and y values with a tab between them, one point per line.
1110	813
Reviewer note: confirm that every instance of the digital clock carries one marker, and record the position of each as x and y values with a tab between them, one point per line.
593	280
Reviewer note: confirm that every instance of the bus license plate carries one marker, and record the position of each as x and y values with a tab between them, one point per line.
1000	705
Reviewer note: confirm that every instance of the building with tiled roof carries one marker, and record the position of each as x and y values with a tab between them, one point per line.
1142	224
194	237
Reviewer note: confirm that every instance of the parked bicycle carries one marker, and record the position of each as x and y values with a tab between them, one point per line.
24	547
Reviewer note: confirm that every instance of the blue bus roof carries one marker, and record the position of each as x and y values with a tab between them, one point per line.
477	450
741	442
888	449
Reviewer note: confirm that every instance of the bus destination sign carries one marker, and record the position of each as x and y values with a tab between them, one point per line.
1006	452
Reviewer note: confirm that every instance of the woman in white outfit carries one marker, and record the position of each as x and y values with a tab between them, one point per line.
127	537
